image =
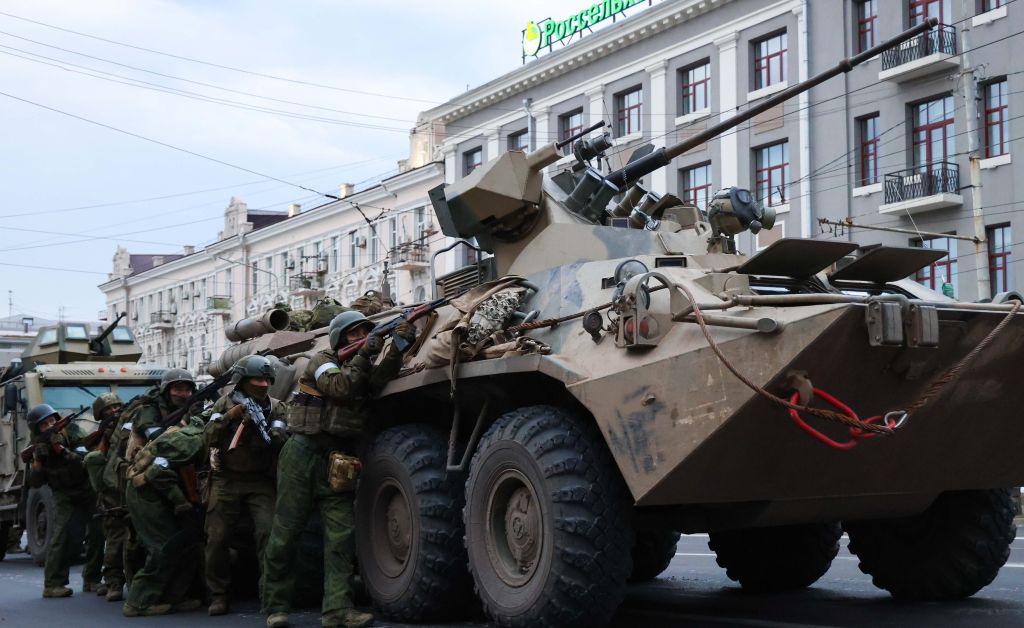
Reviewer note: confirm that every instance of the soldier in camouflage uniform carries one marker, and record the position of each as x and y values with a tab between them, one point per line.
165	509
176	386
133	555
114	529
328	415
69	483
243	477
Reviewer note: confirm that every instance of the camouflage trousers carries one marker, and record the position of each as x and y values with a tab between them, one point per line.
228	498
173	555
301	487
115	529
60	554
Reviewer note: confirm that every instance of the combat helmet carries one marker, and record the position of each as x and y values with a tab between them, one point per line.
104	401
252	366
344	323
172	376
38	413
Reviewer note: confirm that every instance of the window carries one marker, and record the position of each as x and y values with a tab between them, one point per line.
571	123
76	332
334	254
202	292
353	249
472	160
421	224
772	173
997	124
630	109
192	294
696	82
255	277
933	131
941	271
227	287
393	234
697	185
269	275
374	242
520	140
770	61
991	5
867	13
868	150
921	10
285	274
999	258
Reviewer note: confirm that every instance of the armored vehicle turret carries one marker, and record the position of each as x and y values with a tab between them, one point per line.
66	342
627	375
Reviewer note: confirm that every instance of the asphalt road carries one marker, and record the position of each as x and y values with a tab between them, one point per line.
693	593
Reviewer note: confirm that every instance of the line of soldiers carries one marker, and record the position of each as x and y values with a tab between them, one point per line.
161	489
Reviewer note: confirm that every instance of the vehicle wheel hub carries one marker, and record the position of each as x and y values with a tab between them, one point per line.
399	527
521	528
515	535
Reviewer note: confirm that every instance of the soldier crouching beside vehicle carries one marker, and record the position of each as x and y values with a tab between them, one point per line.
244	453
57	461
163	500
316	468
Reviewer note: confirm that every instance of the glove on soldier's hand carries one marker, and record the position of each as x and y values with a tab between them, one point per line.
57	440
278	436
406	331
236	412
41	451
373	345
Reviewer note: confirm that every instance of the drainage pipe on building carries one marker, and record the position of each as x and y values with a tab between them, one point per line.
805	128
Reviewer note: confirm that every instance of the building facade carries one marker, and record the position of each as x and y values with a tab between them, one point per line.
884	145
178	305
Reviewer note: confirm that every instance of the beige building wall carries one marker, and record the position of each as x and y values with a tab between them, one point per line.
179	305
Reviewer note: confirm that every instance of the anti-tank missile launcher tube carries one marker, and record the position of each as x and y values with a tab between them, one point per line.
662	157
273	320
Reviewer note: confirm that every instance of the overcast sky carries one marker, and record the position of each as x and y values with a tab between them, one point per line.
53	165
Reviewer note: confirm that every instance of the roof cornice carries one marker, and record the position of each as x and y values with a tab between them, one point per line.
587	50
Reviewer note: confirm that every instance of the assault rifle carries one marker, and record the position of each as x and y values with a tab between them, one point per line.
206	393
92	440
255	414
346	352
44	437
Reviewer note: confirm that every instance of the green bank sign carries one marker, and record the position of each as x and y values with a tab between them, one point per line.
537	36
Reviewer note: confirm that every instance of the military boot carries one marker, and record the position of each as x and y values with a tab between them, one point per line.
90	587
278	620
116	593
148	611
345	618
218	606
57	592
187	606
102	590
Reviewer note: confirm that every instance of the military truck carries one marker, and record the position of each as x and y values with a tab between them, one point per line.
66	366
651	381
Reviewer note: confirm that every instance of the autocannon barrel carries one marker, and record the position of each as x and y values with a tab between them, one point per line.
247	328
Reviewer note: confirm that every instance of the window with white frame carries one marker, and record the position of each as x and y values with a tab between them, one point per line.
353	249
392	234
373	244
334	254
227	283
421	225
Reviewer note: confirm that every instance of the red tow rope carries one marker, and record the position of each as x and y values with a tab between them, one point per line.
855	432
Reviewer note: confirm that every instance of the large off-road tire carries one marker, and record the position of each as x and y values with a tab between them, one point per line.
652	553
548	523
41	523
780	558
949	552
409	529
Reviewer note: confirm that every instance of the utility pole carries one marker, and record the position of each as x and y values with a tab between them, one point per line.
970	77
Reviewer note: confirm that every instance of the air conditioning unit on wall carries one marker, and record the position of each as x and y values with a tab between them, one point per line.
360	241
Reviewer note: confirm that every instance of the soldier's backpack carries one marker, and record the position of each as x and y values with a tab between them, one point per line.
372	302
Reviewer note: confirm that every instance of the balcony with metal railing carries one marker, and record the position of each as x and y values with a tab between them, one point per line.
410	257
218	305
931	52
923	188
161	319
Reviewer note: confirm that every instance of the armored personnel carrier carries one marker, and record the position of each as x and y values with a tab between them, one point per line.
626	375
66	366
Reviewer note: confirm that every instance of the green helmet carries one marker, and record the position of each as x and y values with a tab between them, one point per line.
172	376
38	413
252	366
344	323
104	401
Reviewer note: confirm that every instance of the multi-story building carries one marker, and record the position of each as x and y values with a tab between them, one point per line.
178	305
884	145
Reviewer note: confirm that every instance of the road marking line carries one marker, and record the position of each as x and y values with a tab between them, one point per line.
687	554
762	623
1015	565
